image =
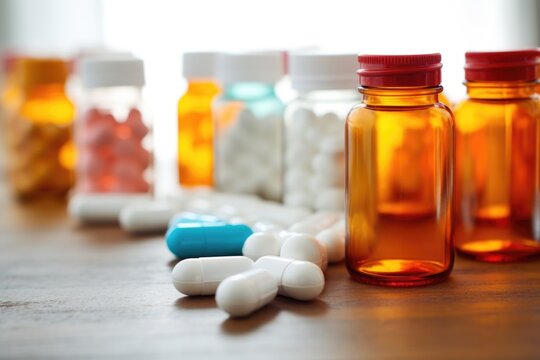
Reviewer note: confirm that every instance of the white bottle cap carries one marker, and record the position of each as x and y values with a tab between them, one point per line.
266	67
199	65
111	70
323	71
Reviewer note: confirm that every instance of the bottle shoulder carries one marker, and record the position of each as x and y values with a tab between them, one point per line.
362	113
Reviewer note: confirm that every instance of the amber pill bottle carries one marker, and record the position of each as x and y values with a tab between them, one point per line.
195	126
400	162
498	158
41	151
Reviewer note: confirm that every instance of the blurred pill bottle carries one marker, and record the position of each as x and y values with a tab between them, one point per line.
315	128
9	90
112	130
195	126
400	163
41	154
498	158
248	124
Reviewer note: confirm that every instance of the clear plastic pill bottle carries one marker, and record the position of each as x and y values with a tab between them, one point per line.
113	129
315	128
40	148
195	126
248	125
498	158
399	181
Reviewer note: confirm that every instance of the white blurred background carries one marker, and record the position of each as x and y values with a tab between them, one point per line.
160	30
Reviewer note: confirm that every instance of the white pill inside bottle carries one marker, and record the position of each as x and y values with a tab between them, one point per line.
304	247
297	279
201	276
244	293
261	244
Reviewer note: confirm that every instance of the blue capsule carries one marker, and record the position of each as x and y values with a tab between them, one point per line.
203	239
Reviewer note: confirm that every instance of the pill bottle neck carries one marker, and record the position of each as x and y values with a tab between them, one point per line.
402	97
202	87
249	91
497	90
329	95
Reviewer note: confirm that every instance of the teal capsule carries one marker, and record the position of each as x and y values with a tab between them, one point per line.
203	239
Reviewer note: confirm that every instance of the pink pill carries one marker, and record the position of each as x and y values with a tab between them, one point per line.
91	165
135	123
126	147
127	170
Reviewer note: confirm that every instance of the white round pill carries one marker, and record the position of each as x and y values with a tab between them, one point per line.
297	279
333	239
298	154
295	178
261	244
304	247
202	276
302	119
244	293
327	164
298	198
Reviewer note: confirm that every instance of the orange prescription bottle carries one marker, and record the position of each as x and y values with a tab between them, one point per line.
498	158
399	181
41	151
195	126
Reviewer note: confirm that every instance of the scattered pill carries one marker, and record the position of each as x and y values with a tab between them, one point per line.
261	244
241	294
300	280
304	247
202	276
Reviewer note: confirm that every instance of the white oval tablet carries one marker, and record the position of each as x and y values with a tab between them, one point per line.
297	279
333	239
202	276
242	294
261	244
304	247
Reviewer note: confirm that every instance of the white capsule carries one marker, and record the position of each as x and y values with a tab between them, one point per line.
332	145
261	244
333	239
302	119
265	226
304	247
297	279
331	199
145	217
244	293
316	222
202	276
102	208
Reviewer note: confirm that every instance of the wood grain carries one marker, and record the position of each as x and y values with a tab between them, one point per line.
68	292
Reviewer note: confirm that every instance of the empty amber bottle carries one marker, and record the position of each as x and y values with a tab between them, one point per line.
195	125
41	152
498	158
400	159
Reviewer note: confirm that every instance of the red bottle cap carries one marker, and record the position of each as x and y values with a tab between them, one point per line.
400	70
519	65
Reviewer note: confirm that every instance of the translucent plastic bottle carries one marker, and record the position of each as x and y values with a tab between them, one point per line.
315	122
113	129
400	161
498	158
248	119
195	126
41	152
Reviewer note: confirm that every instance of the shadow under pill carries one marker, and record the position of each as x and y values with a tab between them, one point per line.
303	308
195	302
239	326
173	263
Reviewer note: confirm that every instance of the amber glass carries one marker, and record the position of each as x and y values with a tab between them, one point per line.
498	172
399	148
195	134
41	151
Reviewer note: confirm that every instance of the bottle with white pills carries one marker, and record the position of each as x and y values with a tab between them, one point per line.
315	128
248	124
112	137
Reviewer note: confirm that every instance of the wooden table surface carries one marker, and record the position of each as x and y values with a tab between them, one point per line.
68	292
